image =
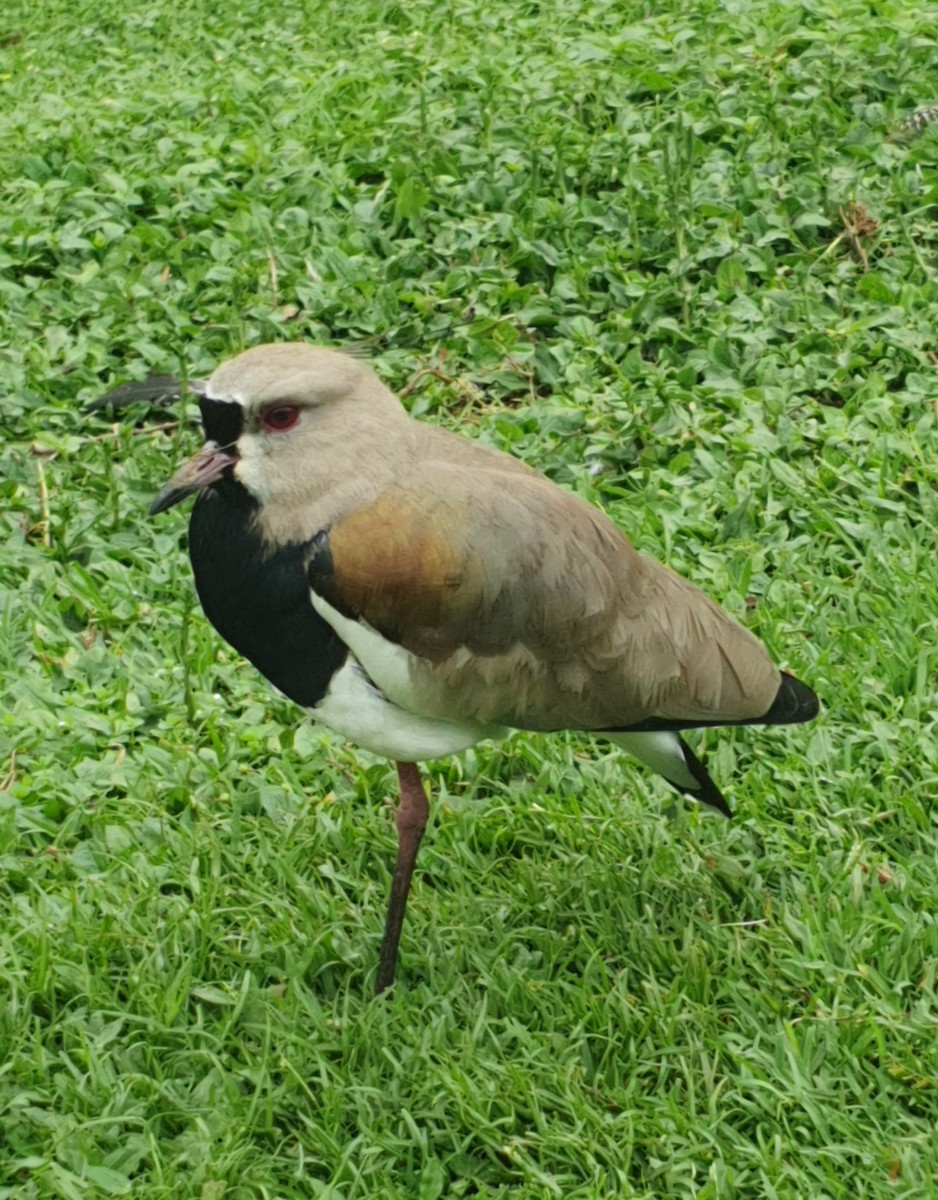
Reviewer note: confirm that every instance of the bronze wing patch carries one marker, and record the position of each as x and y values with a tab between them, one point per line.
391	564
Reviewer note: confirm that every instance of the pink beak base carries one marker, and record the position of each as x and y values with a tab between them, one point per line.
202	469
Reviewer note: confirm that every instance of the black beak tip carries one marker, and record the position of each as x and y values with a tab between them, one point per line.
167	498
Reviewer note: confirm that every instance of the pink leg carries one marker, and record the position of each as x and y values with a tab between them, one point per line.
412	813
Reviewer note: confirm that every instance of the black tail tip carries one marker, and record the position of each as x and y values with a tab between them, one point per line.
706	791
794	703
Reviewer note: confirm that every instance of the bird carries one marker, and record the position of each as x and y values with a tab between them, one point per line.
418	592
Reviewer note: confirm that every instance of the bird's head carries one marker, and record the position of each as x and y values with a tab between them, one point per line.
279	418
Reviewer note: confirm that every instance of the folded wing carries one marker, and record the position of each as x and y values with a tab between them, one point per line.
517	603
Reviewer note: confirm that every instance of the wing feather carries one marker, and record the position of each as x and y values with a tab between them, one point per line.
521	605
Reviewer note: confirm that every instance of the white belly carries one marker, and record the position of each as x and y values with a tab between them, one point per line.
356	709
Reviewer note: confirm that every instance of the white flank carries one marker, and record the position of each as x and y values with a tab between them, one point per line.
385	663
356	709
660	751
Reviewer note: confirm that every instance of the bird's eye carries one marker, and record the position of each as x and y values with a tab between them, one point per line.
280	417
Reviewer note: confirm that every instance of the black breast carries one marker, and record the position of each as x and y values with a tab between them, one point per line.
260	605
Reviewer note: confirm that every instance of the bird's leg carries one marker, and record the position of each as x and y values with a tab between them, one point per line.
412	813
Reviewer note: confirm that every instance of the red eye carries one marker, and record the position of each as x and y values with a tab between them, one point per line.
280	417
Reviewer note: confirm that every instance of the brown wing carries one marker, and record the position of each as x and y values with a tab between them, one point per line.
525	606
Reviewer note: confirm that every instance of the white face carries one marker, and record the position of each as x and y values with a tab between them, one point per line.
268	447
307	431
314	431
280	407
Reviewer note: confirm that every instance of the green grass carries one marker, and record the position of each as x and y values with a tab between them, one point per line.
608	238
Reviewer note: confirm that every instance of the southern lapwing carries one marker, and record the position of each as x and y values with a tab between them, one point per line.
418	592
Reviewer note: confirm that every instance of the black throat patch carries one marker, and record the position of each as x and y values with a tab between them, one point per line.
259	602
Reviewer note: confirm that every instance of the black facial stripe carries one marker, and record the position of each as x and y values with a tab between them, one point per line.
222	420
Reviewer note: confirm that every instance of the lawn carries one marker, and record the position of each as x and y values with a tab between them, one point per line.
683	258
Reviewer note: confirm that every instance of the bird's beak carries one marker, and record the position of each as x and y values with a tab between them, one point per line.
198	472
